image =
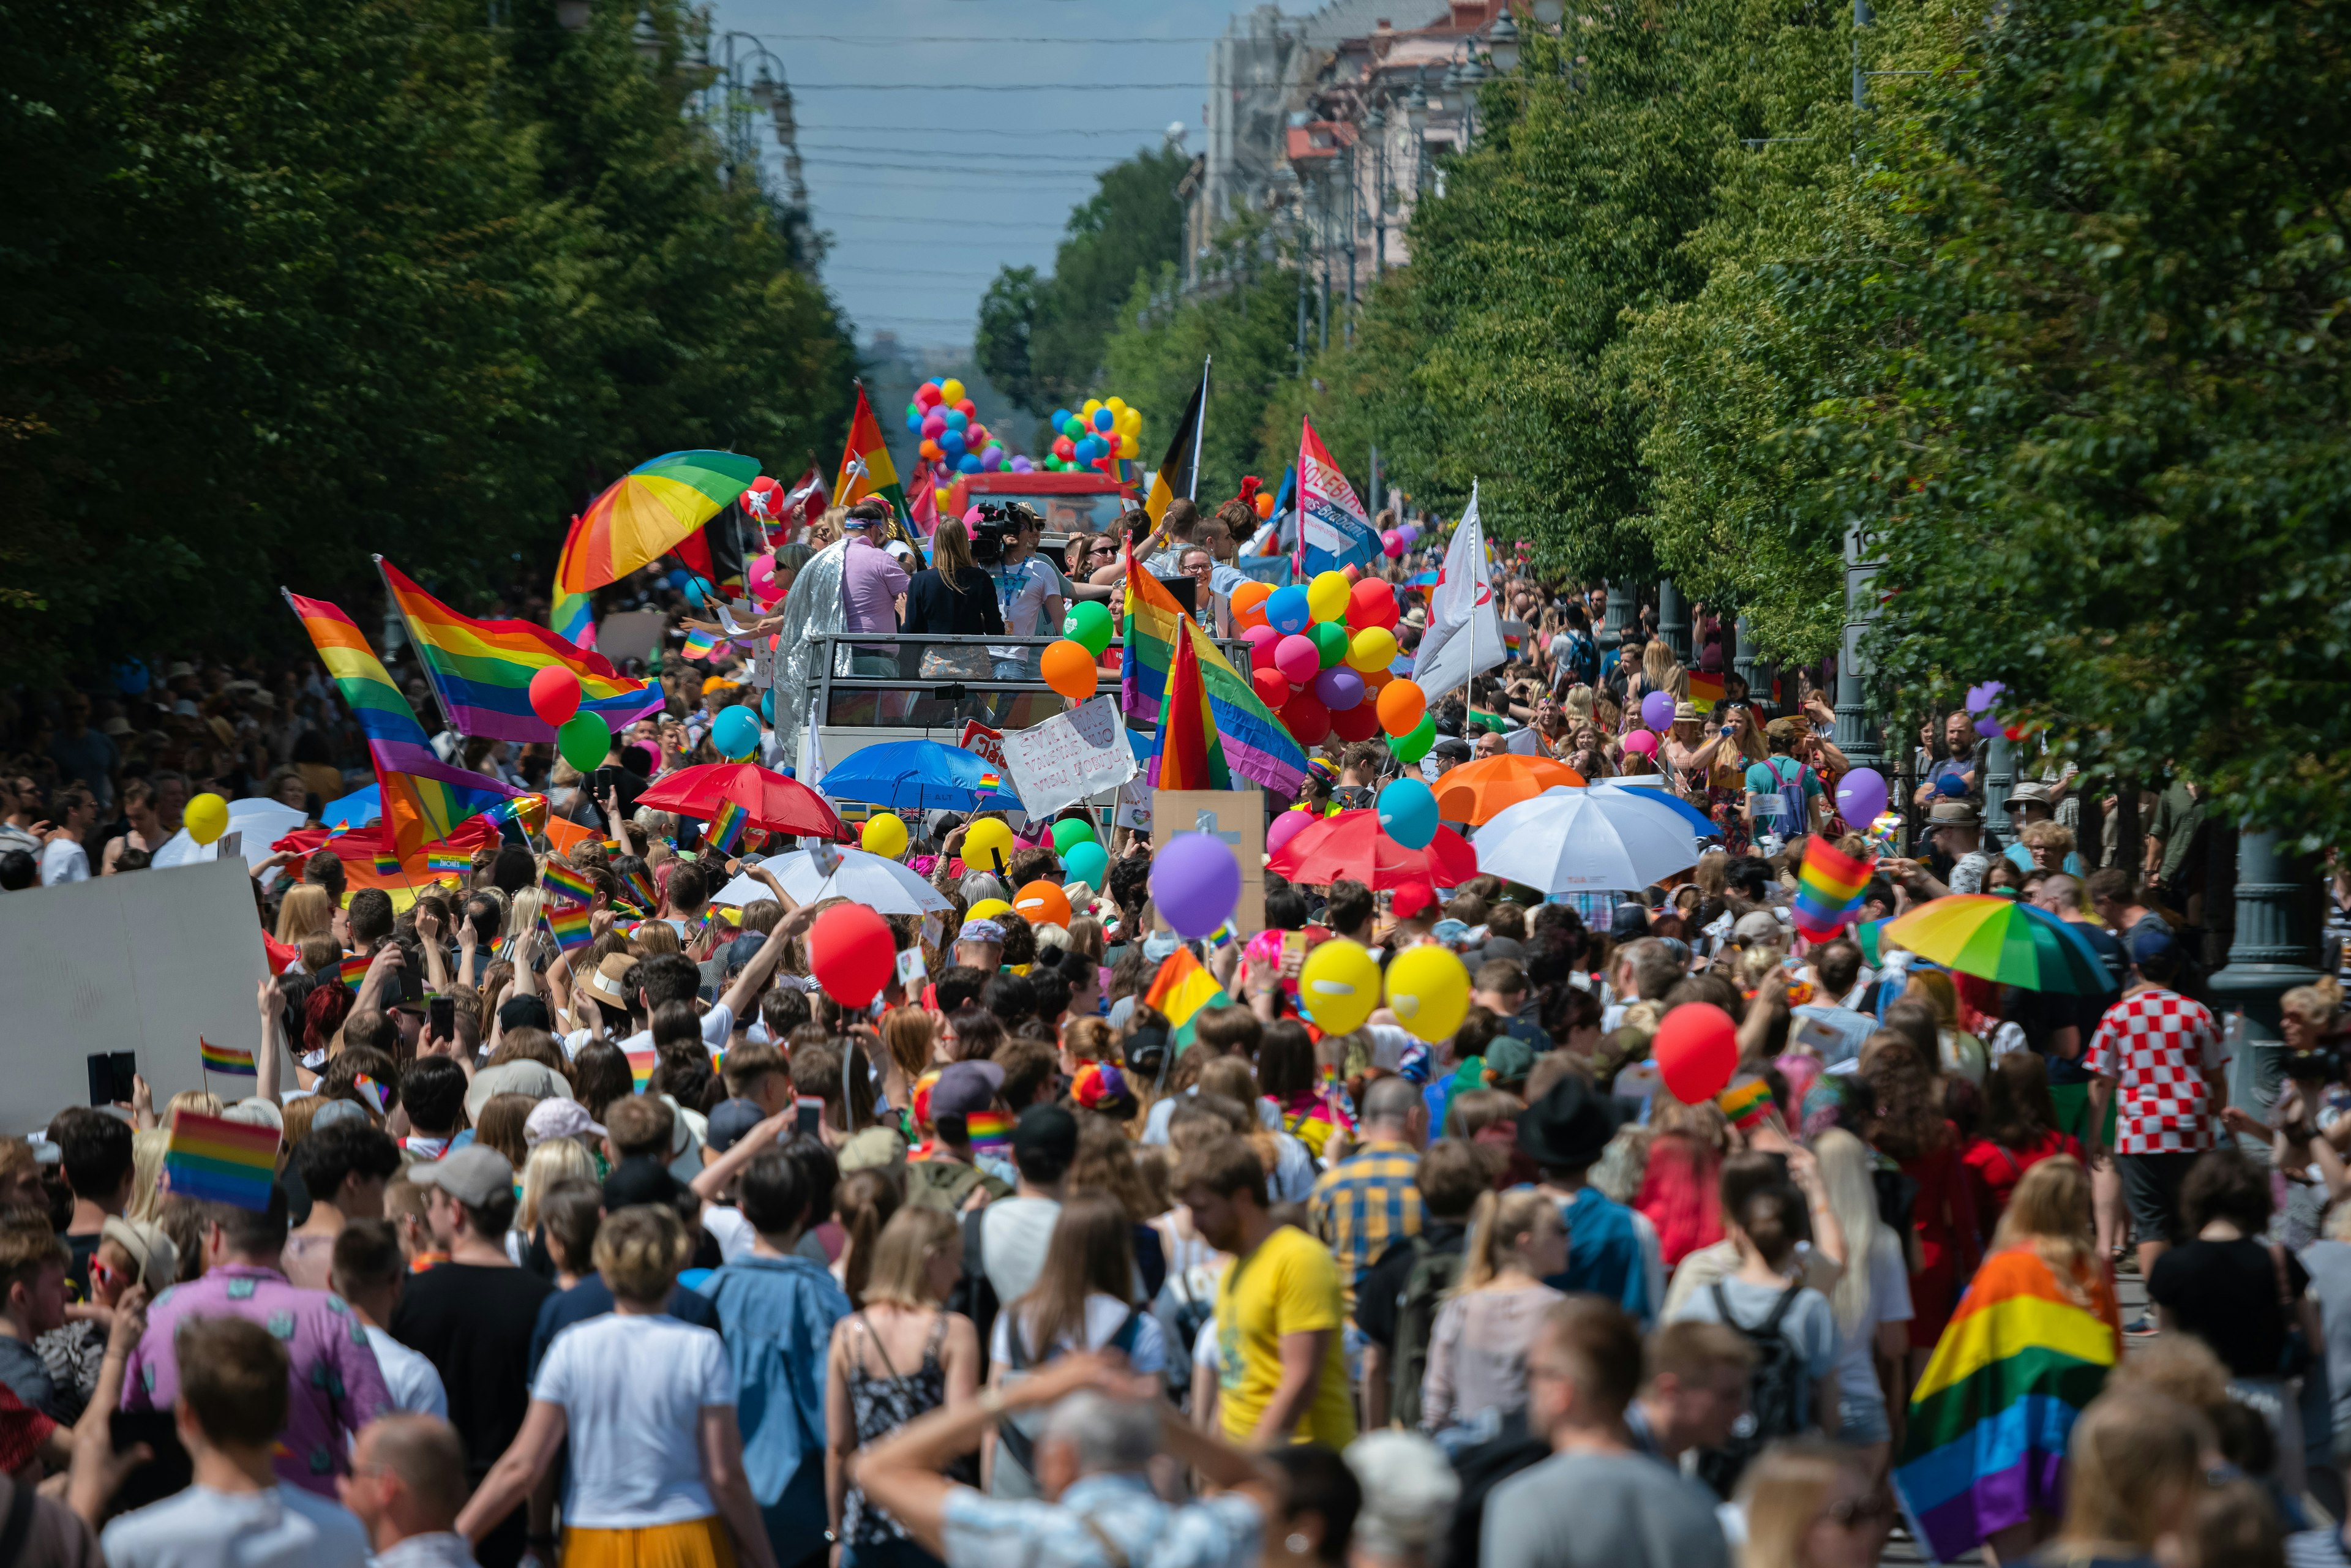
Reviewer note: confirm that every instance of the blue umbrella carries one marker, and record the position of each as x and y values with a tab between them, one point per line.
920	775
355	810
1698	819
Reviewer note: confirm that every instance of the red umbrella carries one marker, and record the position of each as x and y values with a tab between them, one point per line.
1350	845
770	801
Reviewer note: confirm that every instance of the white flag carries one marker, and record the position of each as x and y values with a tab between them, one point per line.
1465	632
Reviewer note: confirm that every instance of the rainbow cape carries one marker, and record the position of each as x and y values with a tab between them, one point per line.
482	669
1255	745
215	1160
354	968
423	797
1191	754
1828	890
225	1059
1180	990
1989	1420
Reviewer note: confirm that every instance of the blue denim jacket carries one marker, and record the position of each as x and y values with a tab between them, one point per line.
778	1314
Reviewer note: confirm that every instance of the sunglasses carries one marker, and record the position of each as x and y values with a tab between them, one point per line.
1103	550
100	1274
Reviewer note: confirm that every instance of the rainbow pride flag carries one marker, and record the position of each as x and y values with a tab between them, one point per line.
641	1068
1988	1421
1256	745
641	883
354	968
989	1132
458	860
423	798
726	829
698	645
373	1090
1705	690
215	1160
570	927
225	1059
1182	987
1828	890
385	865
482	669
1191	754
567	882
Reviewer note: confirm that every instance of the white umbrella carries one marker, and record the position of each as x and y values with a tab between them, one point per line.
262	820
1574	841
875	881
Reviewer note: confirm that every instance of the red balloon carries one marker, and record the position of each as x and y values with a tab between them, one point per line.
555	694
1308	720
1272	687
1064	448
1358	723
970	409
851	953
1370	604
1696	1047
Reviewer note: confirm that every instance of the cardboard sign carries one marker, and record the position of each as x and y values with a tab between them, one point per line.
1069	756
1236	816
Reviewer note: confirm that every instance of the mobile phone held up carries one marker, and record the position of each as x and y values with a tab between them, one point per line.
811	1116
111	1077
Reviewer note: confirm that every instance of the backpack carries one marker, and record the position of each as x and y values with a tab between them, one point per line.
946	1184
973	1296
1432	1274
1582	659
1778	1393
1182	1316
1790	814
1020	1447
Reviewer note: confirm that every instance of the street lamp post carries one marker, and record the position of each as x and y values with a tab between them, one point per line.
1672	619
1375	123
1856	731
1742	655
2274	951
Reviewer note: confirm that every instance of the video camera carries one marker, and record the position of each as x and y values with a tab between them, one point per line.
999	521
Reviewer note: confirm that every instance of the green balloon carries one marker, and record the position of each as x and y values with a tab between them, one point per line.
1087	862
1330	640
584	740
1414	746
1069	832
1088	625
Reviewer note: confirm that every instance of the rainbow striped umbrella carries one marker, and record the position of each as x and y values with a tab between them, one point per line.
1985	935
646	512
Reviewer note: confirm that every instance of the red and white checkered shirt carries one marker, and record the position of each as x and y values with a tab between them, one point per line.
2155	1045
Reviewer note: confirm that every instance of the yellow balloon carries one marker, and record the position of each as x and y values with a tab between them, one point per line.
1326	596
951	390
986	909
886	835
1131	422
987	840
1092	403
1338	986
1429	989
1115	405
206	818
1126	446
1372	648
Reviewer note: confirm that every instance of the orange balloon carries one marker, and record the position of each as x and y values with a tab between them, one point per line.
1264	505
1377	679
1042	902
1401	703
1070	670
1250	596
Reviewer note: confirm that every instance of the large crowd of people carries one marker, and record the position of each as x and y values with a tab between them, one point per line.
651	1251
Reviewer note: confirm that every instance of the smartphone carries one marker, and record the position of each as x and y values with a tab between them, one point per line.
110	1076
441	1017
811	1111
411	984
168	1473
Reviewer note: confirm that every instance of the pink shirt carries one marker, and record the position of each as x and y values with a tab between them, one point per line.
871	581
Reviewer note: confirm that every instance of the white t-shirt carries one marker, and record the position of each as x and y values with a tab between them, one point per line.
634	1389
1013	1233
64	860
716	1025
1103	1316
412	1381
284	1527
1022	592
1889	1303
729	1230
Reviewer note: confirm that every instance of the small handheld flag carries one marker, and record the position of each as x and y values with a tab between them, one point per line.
565	881
386	865
225	1059
570	927
726	829
1747	1104
641	1068
989	1131
446	858
215	1160
354	968
1828	889
698	645
373	1090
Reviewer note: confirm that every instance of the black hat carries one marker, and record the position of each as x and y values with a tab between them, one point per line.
1570	1127
640	1179
1046	1130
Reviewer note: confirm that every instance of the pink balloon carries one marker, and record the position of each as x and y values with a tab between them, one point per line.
1262	638
933	424
1285	828
1642	741
1393	543
1298	659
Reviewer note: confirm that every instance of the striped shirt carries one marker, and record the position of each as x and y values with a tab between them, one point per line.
1365	1203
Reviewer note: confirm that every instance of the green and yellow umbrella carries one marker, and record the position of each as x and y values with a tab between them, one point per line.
646	512
1985	935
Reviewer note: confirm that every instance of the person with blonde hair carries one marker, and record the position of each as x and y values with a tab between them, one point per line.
2134	1470
1871	1300
551	1160
1960	1053
900	1355
1813	1505
1476	1373
307	910
646	1405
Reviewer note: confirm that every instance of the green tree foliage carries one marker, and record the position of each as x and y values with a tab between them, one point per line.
282	285
1042	340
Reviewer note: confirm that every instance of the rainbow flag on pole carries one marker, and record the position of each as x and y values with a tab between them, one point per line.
1705	690
482	669
215	1160
225	1059
441	860
563	880
570	924
726	829
385	865
1182	987
1191	754
1986	1446
1828	890
1256	745
865	466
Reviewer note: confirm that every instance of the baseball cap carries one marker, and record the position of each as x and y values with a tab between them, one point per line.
1628	920
555	1118
965	1087
729	1122
1159	947
1509	947
1509	1060
524	1012
473	1174
1410	899
1757	925
338	1111
1046	1130
2148	943
981	931
876	1148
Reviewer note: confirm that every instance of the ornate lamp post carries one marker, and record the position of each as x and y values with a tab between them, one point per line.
1856	731
1672	619
2274	951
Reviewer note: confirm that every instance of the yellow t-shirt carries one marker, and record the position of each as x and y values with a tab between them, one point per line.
1288	1285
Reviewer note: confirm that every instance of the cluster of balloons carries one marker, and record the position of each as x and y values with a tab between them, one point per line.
582	739
1069	666
1083	859
1095	435
1399	538
953	439
1322	656
1427	986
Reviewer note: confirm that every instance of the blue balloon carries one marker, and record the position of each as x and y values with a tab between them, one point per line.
968	463
678	577
1286	611
951	443
735	733
1089	863
913	424
1104	419
696	590
1060	417
1407	810
768	706
956	418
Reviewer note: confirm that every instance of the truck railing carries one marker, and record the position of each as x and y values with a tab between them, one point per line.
899	680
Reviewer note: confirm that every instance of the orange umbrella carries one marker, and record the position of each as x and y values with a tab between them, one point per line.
1475	791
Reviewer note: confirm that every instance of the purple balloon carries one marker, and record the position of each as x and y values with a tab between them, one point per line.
1411	532
1861	796
1286	827
1195	880
1987	728
1658	710
1339	687
1022	464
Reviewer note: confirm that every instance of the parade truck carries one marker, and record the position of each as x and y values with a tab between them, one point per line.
1070	503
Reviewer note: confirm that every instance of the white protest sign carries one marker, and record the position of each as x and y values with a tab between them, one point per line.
1069	756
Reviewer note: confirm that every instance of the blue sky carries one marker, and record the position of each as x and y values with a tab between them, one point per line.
928	188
